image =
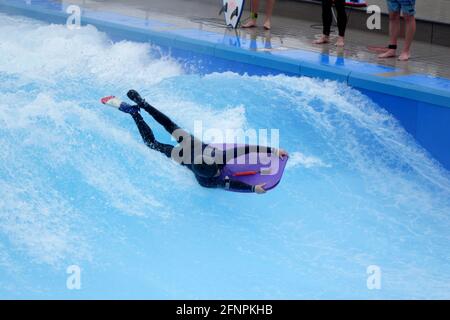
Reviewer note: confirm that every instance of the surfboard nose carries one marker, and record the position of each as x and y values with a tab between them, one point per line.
232	10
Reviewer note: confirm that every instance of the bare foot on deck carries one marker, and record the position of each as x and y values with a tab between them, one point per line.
267	25
377	49
322	40
249	24
391	53
340	42
404	56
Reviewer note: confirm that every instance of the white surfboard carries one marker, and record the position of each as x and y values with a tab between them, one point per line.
233	11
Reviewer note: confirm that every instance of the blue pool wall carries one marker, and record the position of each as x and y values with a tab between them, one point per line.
422	110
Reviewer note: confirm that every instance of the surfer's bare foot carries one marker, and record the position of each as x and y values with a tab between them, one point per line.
250	24
390	53
404	56
322	40
267	25
340	42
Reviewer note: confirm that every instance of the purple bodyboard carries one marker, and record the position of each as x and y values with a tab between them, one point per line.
271	166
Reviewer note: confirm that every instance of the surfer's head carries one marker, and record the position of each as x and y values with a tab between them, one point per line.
205	167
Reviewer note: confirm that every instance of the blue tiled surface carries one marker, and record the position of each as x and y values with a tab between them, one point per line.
338	62
426	80
433	131
420	102
404	110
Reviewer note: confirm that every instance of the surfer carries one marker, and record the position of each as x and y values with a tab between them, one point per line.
206	162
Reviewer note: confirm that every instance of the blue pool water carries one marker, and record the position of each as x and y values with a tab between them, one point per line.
78	187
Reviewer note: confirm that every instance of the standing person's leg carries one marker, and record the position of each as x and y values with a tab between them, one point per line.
342	21
409	36
408	8
269	10
253	14
327	19
394	29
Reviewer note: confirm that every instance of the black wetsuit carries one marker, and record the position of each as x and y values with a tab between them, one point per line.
327	16
167	149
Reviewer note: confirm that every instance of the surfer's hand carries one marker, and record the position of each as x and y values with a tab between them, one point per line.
259	188
282	153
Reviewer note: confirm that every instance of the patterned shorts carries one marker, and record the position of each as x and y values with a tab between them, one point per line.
405	6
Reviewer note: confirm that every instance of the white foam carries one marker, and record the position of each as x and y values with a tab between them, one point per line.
43	225
52	53
51	121
42	65
298	159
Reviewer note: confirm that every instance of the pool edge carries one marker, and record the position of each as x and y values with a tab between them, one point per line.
357	80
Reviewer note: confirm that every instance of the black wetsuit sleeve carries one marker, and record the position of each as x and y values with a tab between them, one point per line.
240	186
225	184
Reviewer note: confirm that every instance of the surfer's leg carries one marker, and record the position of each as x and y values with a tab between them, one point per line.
149	138
160	117
115	102
171	127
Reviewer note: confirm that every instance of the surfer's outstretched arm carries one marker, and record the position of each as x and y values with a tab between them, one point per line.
230	184
226	184
149	138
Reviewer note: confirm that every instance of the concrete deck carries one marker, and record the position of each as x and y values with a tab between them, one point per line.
287	33
432	24
431	10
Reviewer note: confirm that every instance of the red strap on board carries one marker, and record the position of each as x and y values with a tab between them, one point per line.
244	173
